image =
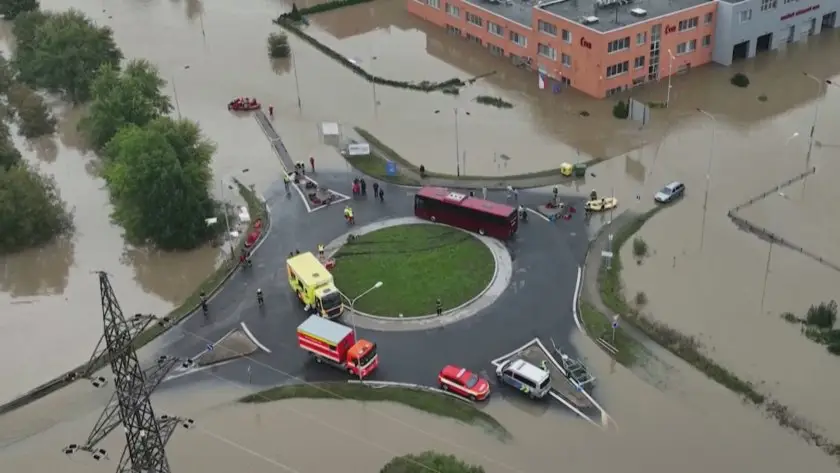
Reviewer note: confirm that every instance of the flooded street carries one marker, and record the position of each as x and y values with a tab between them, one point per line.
704	276
657	431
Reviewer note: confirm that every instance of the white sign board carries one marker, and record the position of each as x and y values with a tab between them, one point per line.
358	149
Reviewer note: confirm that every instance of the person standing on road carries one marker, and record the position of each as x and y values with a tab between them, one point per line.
286	181
375	189
438	307
271	111
321	251
364	186
484	193
312	163
381	194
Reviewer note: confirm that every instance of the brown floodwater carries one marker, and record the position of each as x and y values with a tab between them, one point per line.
657	430
212	51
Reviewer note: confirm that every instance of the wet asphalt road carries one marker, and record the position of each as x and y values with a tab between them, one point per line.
537	303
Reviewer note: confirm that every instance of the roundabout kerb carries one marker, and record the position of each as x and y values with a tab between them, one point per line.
502	274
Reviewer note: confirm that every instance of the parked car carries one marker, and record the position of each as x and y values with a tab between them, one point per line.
670	193
463	382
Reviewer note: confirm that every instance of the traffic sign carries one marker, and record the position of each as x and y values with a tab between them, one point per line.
209	347
615	321
607	254
390	168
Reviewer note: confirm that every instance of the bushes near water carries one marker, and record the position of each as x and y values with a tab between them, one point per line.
297	14
278	46
493	101
621	110
740	80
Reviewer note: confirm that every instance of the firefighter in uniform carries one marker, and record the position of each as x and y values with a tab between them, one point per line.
286	181
321	251
438	307
544	365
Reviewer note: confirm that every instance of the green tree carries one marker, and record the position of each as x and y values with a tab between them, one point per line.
34	116
130	97
429	461
278	46
159	180
31	210
62	52
10	9
9	154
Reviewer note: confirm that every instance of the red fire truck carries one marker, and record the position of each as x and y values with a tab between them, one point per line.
470	213
335	344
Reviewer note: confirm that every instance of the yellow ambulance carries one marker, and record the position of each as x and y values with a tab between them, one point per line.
313	285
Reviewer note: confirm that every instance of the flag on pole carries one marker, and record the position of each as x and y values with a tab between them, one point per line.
541	81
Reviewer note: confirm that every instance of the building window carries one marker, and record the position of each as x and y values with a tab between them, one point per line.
546	51
708	18
453	30
618	45
618	69
495	50
616	90
433	3
687	47
639	62
768	5
495	29
566	60
707	41
518	39
452	10
566	35
547	28
688	24
474	19
641	38
473	38
745	16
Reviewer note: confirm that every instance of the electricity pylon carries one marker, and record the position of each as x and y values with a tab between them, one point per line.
146	435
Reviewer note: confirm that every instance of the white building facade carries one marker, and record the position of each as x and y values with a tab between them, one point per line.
749	26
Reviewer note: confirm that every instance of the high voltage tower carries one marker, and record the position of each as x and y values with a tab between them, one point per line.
146	435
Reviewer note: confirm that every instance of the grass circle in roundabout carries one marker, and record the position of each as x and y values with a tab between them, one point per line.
417	264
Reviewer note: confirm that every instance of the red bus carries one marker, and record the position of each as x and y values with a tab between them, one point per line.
470	213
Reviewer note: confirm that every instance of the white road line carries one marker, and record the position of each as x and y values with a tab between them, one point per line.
575	307
253	338
538	214
190	371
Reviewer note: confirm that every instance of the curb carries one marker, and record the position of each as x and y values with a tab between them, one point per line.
64	380
336	244
415	387
576	299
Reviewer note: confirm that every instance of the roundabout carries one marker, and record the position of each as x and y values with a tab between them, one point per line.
418	264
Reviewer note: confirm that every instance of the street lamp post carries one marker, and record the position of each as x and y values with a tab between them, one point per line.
175	94
670	73
457	140
353	318
297	82
813	124
708	174
373	84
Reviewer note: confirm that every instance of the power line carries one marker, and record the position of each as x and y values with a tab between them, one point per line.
340	397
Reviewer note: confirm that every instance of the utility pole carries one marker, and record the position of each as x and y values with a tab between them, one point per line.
813	125
457	140
146	435
297	83
708	175
766	274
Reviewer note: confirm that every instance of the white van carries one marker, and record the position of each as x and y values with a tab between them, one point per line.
524	376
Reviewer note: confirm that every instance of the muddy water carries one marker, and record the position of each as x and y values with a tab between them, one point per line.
52	317
657	431
710	283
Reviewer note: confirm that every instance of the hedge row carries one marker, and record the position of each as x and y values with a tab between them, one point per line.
324	7
425	86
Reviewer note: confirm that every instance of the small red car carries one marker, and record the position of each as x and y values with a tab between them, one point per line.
463	382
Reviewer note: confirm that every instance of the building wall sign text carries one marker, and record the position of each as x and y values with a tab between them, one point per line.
586	44
799	12
670	29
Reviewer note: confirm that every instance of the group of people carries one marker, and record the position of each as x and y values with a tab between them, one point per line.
360	188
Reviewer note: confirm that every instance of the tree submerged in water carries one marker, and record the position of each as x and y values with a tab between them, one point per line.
427	462
278	46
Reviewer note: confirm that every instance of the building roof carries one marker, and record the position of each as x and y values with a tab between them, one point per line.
326	330
516	11
445	195
615	14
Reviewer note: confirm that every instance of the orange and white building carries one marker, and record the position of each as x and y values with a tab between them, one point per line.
599	47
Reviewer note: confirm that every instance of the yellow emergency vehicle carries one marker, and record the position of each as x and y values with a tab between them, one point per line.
313	285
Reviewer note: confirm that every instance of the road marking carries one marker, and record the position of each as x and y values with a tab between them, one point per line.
253	338
340	197
575	307
538	214
190	371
